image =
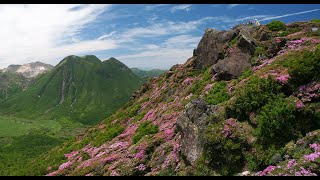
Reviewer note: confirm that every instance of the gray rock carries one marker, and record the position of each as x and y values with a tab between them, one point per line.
210	48
192	123
275	159
232	66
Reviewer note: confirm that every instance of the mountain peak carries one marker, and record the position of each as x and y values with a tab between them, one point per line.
29	70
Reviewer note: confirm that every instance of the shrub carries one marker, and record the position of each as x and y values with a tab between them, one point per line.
144	128
276	25
218	93
304	68
276	122
259	51
255	94
315	20
283	33
223	144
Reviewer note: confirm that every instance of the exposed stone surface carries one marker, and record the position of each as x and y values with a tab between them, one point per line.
191	124
210	48
29	70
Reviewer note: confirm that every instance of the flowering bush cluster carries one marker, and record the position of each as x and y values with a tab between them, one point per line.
187	81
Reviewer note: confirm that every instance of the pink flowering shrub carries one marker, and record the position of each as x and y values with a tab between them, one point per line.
71	155
283	79
187	81
207	88
65	165
141	167
299	105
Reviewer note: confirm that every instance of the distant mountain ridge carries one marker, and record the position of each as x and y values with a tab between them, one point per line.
148	73
85	89
29	70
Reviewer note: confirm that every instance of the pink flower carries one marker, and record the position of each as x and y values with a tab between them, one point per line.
312	157
315	147
65	165
141	167
114	173
207	88
90	174
187	81
140	154
300	104
269	169
231	122
283	79
169	133
151	115
292	163
71	155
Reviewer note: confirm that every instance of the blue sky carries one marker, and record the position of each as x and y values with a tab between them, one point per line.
144	36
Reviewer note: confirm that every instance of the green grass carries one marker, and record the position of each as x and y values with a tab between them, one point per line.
12	126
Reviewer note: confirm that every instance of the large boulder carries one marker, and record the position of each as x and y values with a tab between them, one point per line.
191	124
211	47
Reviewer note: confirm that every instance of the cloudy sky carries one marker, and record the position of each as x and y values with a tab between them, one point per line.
143	36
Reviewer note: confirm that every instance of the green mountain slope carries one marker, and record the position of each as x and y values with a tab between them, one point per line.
11	84
147	74
83	88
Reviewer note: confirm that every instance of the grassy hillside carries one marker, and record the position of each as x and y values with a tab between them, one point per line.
265	121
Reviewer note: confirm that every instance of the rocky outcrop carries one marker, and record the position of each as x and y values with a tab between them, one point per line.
29	70
237	58
210	48
192	123
232	66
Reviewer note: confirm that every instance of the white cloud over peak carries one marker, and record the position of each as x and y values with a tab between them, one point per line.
40	32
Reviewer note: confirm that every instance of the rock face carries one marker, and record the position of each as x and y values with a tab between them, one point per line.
29	70
210	48
232	66
191	124
229	59
237	58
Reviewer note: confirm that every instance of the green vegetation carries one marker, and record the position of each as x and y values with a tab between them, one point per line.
233	41
10	84
198	86
256	93
276	25
218	93
223	147
275	118
315	20
304	67
283	33
144	128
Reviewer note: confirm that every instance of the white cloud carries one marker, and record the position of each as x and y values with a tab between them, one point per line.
40	32
230	6
161	29
286	15
154	7
106	36
174	50
184	7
